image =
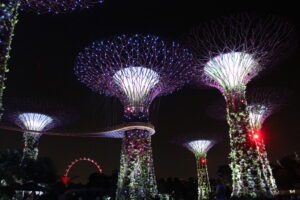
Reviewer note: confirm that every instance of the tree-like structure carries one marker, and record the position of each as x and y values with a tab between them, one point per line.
263	102
135	69
234	50
9	10
10	171
35	117
33	124
200	149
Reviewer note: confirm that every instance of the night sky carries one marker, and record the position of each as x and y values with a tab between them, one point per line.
43	55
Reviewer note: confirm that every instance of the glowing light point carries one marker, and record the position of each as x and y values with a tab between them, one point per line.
65	180
203	161
256	136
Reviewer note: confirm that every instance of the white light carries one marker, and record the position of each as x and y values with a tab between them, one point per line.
200	146
257	115
231	70
35	121
136	83
292	191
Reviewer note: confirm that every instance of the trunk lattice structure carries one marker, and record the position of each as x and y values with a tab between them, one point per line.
136	177
199	147
204	188
266	168
31	149
246	173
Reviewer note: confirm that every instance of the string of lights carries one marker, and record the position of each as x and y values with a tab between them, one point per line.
8	21
57	7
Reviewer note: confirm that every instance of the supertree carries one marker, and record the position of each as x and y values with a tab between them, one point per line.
200	148
34	125
263	102
34	118
231	51
9	10
135	69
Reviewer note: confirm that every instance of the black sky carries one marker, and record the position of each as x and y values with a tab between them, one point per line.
43	55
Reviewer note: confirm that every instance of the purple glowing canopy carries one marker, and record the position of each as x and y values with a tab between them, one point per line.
134	68
57	6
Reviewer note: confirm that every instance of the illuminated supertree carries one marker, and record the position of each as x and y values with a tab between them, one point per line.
136	69
34	118
33	124
234	50
200	148
9	10
263	102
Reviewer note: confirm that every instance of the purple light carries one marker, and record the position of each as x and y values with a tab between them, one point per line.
135	69
57	6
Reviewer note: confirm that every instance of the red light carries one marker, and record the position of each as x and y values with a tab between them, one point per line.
203	161
65	179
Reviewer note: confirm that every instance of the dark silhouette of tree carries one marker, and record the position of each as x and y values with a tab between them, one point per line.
13	175
40	171
224	173
10	171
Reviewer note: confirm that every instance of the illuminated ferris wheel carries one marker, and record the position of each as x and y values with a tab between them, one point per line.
66	179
